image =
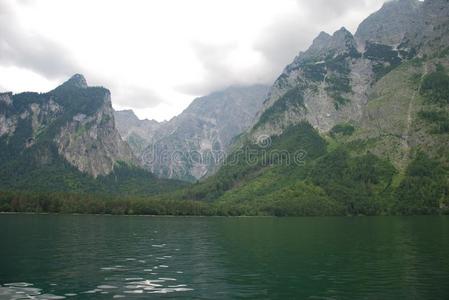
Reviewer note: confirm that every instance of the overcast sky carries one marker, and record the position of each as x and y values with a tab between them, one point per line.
156	56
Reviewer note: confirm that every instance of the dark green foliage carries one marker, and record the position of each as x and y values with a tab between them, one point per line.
345	129
300	137
384	58
338	84
415	79
383	53
338	64
314	71
255	180
292	98
380	69
41	169
32	163
435	87
359	184
80	100
339	101
131	180
301	199
438	118
249	161
97	204
443	52
281	81
423	188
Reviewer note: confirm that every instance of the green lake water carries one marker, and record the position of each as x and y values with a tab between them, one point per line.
109	257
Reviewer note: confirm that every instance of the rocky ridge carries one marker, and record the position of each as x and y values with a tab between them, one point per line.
191	145
74	118
331	82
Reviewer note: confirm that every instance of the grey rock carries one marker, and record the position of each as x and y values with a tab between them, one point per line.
390	24
137	133
76	81
330	70
6	98
79	124
191	145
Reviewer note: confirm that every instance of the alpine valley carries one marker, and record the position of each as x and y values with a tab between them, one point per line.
356	125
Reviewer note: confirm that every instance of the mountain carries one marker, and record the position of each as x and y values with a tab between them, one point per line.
357	124
137	133
389	25
64	140
192	144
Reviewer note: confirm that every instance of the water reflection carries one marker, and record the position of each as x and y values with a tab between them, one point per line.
24	290
104	257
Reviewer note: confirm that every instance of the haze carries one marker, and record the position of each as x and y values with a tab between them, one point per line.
157	56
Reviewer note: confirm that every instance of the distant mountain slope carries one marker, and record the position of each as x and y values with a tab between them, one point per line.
367	114
189	146
340	77
62	140
137	133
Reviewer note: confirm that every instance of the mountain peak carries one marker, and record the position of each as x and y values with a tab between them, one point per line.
77	81
127	113
389	24
341	37
6	97
343	31
322	39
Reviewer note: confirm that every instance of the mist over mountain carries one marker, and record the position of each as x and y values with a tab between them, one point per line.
366	114
356	124
192	144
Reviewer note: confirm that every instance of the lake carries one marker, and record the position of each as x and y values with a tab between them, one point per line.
108	257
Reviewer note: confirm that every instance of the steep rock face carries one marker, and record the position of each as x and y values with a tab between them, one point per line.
191	145
389	25
370	81
76	119
325	85
330	83
137	133
429	33
387	146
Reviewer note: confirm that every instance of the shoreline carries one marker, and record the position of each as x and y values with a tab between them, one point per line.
213	216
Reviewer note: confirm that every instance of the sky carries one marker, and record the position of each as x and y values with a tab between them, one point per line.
156	56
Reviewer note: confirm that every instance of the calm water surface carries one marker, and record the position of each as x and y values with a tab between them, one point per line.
107	257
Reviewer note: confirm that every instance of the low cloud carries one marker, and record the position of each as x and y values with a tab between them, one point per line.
136	97
221	70
278	44
126	95
326	10
282	41
217	72
234	59
29	50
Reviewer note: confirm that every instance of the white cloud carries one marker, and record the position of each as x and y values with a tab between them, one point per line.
156	56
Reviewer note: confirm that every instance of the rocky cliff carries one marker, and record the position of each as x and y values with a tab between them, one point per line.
191	145
361	120
75	119
332	82
325	85
137	133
